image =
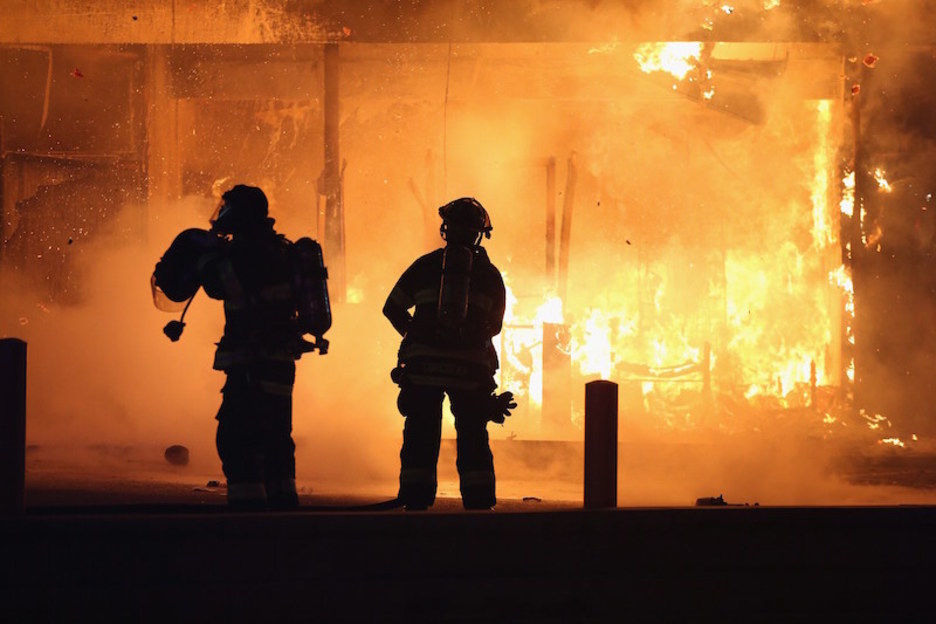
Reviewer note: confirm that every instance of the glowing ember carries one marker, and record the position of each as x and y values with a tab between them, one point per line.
875	421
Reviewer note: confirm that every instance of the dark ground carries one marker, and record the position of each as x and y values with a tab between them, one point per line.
158	550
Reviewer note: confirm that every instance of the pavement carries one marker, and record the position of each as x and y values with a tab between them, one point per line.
149	549
687	564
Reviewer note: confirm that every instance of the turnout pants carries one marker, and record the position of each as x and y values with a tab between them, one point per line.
422	434
254	442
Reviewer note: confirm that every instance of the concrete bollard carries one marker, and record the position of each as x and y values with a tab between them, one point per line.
601	443
12	425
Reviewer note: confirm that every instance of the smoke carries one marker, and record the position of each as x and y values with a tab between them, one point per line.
101	374
692	221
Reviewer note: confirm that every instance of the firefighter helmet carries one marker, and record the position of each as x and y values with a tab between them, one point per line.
176	276
243	208
466	213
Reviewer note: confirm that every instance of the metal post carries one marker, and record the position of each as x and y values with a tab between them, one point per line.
601	432
12	425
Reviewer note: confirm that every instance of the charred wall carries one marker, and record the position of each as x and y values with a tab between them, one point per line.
71	148
894	264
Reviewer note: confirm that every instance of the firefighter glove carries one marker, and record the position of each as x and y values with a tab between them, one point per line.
501	404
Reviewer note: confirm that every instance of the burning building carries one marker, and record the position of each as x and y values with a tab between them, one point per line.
724	207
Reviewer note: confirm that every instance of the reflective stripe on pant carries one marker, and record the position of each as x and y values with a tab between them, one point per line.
254	439
281	493
422	432
475	461
246	495
477	489
418	487
422	436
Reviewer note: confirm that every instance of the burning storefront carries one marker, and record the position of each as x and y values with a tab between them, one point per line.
723	207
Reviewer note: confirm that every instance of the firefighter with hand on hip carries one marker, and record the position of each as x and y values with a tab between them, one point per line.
458	297
273	292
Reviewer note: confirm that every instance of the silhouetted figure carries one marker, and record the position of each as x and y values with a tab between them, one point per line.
273	292
459	299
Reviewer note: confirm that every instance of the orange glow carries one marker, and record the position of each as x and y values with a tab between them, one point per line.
702	249
674	58
608	339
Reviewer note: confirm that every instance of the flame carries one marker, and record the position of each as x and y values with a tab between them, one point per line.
883	184
592	346
776	329
847	204
520	347
676	58
822	224
876	421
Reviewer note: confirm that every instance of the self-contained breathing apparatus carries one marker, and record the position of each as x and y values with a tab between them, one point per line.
464	223
453	290
467	216
176	280
310	289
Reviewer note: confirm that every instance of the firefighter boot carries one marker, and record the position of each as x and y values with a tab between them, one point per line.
282	495
477	489
417	488
247	496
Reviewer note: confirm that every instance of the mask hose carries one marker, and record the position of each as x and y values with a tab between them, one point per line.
173	329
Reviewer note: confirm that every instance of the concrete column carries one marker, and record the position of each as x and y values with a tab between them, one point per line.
557	380
12	425
565	232
551	222
601	433
334	243
163	161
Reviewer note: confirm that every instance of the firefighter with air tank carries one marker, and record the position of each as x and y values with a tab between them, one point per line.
274	292
458	300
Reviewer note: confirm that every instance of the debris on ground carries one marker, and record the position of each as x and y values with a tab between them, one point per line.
177	455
